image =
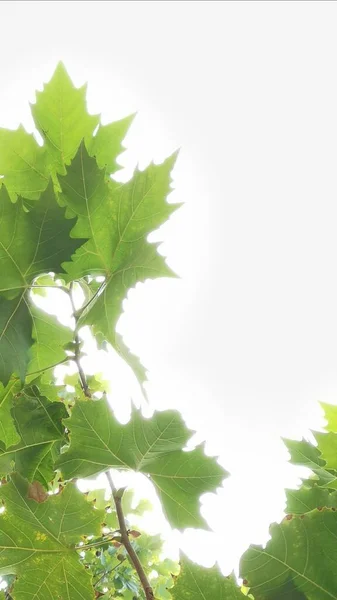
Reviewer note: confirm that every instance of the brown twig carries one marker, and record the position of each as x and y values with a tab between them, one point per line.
117	496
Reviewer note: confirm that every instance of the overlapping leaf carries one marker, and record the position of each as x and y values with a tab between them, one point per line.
39	425
305	454
106	144
117	220
62	119
23	164
50	337
37	542
8	432
298	562
30	243
151	446
15	338
330	414
307	498
197	583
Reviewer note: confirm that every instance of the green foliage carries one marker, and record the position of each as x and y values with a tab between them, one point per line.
151	446
37	541
196	582
298	560
299	557
66	223
63	222
108	561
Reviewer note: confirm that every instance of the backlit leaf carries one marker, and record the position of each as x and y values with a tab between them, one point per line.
298	562
37	542
62	119
39	425
198	583
8	432
151	446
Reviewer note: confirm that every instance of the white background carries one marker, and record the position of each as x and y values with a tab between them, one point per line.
245	343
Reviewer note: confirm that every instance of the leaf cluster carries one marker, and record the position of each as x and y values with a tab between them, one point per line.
65	222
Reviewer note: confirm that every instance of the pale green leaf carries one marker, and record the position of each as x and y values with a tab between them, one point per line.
62	119
330	414
8	432
117	220
37	542
198	583
50	338
304	454
39	425
327	446
298	562
151	446
15	338
23	163
106	144
32	242
306	499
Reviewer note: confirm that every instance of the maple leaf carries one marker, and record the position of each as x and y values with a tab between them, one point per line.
61	118
151	446
106	144
15	338
8	432
298	561
195	582
117	220
30	243
306	499
50	337
304	454
39	425
23	164
37	542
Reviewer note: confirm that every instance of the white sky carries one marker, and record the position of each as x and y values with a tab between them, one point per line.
244	344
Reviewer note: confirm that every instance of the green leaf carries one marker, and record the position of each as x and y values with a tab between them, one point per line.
327	446
37	542
117	220
151	446
15	338
23	163
198	583
306	455
298	562
62	119
39	424
34	242
8	433
30	243
330	414
306	499
106	145
50	338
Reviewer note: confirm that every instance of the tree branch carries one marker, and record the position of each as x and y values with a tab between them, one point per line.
117	496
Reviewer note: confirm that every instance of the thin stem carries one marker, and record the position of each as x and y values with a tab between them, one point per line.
64	360
93	297
81	374
126	542
54	287
108	572
95	544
